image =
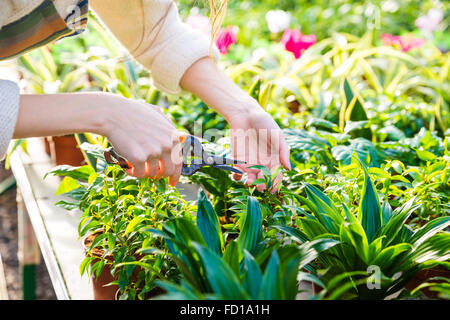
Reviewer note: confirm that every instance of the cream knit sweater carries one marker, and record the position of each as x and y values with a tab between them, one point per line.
150	30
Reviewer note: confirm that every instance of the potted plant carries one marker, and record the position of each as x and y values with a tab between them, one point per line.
64	150
115	208
253	266
376	242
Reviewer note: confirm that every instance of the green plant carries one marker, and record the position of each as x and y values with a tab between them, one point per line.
253	266
375	240
117	207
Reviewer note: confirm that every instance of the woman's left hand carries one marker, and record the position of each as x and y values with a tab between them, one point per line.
258	140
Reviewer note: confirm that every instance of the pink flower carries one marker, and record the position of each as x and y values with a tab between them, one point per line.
199	22
294	41
404	43
225	38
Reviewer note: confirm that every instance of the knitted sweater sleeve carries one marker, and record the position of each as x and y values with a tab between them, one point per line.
9	109
154	34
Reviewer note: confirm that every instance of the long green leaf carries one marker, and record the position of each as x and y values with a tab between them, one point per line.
251	233
271	283
369	207
208	224
252	276
297	234
328	214
393	227
221	277
430	229
232	256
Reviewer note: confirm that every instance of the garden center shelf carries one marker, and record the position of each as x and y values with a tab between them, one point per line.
44	226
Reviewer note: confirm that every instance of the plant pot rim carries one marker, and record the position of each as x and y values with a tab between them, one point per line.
99	253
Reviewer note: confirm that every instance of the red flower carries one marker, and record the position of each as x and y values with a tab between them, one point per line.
294	41
225	38
404	43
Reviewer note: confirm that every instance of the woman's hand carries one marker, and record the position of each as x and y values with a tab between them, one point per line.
256	138
138	131
144	135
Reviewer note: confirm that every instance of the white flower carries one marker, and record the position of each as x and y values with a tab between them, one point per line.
52	87
259	53
430	21
278	20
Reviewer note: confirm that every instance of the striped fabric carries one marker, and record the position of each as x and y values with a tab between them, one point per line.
42	26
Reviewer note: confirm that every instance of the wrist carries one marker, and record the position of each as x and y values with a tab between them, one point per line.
241	107
103	112
209	83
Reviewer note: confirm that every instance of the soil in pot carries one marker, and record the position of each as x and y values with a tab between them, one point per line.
65	150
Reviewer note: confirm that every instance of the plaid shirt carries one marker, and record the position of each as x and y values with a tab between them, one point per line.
40	27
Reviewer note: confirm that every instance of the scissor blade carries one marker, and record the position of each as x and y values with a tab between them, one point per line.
234	161
228	168
222	160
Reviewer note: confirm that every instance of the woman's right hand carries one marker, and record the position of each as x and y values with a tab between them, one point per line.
145	136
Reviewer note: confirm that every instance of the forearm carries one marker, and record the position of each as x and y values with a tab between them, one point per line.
59	114
209	83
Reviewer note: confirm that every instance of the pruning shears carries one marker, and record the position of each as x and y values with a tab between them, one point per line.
192	146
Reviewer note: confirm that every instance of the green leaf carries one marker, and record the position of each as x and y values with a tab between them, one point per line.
392	228
134	223
435	248
354	125
67	205
251	233
208	224
85	264
97	240
77	173
67	184
369	207
297	234
327	213
354	235
388	256
430	229
221	277
316	122
232	257
271	282
312	228
425	155
252	276
290	258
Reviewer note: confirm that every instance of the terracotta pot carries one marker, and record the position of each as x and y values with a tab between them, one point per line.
64	150
100	284
46	141
102	291
423	276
